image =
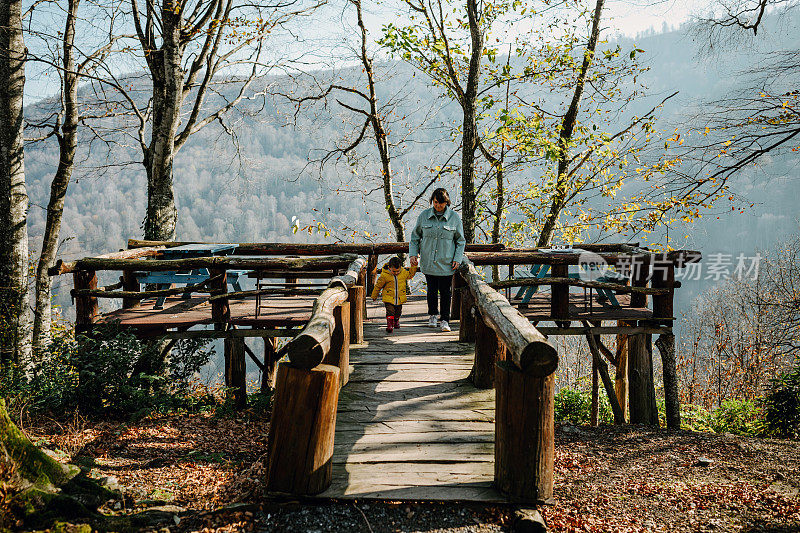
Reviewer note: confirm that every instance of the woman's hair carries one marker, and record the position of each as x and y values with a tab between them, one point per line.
395	262
441	196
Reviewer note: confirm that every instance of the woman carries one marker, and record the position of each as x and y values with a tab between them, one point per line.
439	238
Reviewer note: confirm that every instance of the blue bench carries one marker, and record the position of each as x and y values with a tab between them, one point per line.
524	294
163	280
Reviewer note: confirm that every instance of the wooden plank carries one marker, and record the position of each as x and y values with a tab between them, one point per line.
413	453
377	470
460	492
377	440
411	426
405	358
363	374
367	416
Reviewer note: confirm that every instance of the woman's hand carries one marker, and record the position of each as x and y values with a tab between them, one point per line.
455	265
414	260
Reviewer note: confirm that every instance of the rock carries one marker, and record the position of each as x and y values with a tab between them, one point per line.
109	482
528	521
172	509
704	461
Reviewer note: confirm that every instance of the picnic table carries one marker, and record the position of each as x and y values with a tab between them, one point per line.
524	294
164	280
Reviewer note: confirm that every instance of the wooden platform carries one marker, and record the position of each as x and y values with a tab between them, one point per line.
179	313
409	425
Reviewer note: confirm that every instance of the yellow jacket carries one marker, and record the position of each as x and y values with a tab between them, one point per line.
393	287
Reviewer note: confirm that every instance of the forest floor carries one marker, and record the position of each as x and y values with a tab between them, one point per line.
207	473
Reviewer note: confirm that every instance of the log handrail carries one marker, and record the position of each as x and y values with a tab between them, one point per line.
277	248
530	257
298	264
309	347
69	267
527	348
618	287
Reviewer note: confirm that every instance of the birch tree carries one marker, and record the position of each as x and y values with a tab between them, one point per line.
15	344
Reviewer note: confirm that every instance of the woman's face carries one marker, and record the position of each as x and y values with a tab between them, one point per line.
439	206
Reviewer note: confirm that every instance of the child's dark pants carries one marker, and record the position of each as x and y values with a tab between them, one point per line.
439	286
393	310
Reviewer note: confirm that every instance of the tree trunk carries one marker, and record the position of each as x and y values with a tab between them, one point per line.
567	127
470	128
15	341
162	215
380	134
67	145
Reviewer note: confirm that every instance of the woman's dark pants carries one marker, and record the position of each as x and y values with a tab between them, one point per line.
439	289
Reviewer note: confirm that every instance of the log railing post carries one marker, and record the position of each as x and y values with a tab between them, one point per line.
356	295
641	393
300	442
362	280
235	372
220	309
86	308
129	283
524	442
559	297
466	328
270	365
640	273
672	403
663	278
372	264
621	376
457	290
339	353
488	351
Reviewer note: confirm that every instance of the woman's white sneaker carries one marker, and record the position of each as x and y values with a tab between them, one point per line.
432	321
445	326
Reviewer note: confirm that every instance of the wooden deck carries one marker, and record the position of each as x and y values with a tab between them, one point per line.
409	424
287	311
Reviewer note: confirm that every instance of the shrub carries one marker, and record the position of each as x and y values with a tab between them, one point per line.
740	417
782	405
571	406
576	407
109	371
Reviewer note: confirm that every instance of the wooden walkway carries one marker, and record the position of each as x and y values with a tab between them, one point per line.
409	425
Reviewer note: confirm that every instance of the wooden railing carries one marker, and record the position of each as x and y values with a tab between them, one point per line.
300	446
511	355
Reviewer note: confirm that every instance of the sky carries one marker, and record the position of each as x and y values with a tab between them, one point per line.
623	18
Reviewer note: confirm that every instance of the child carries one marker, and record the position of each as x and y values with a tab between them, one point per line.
392	286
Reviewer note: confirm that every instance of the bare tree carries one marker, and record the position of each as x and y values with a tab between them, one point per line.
757	118
558	199
373	119
437	47
66	132
194	49
743	331
15	344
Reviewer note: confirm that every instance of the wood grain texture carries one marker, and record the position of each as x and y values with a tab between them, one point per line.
524	434
410	426
300	445
527	348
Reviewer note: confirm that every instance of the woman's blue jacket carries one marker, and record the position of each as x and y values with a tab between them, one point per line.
439	240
